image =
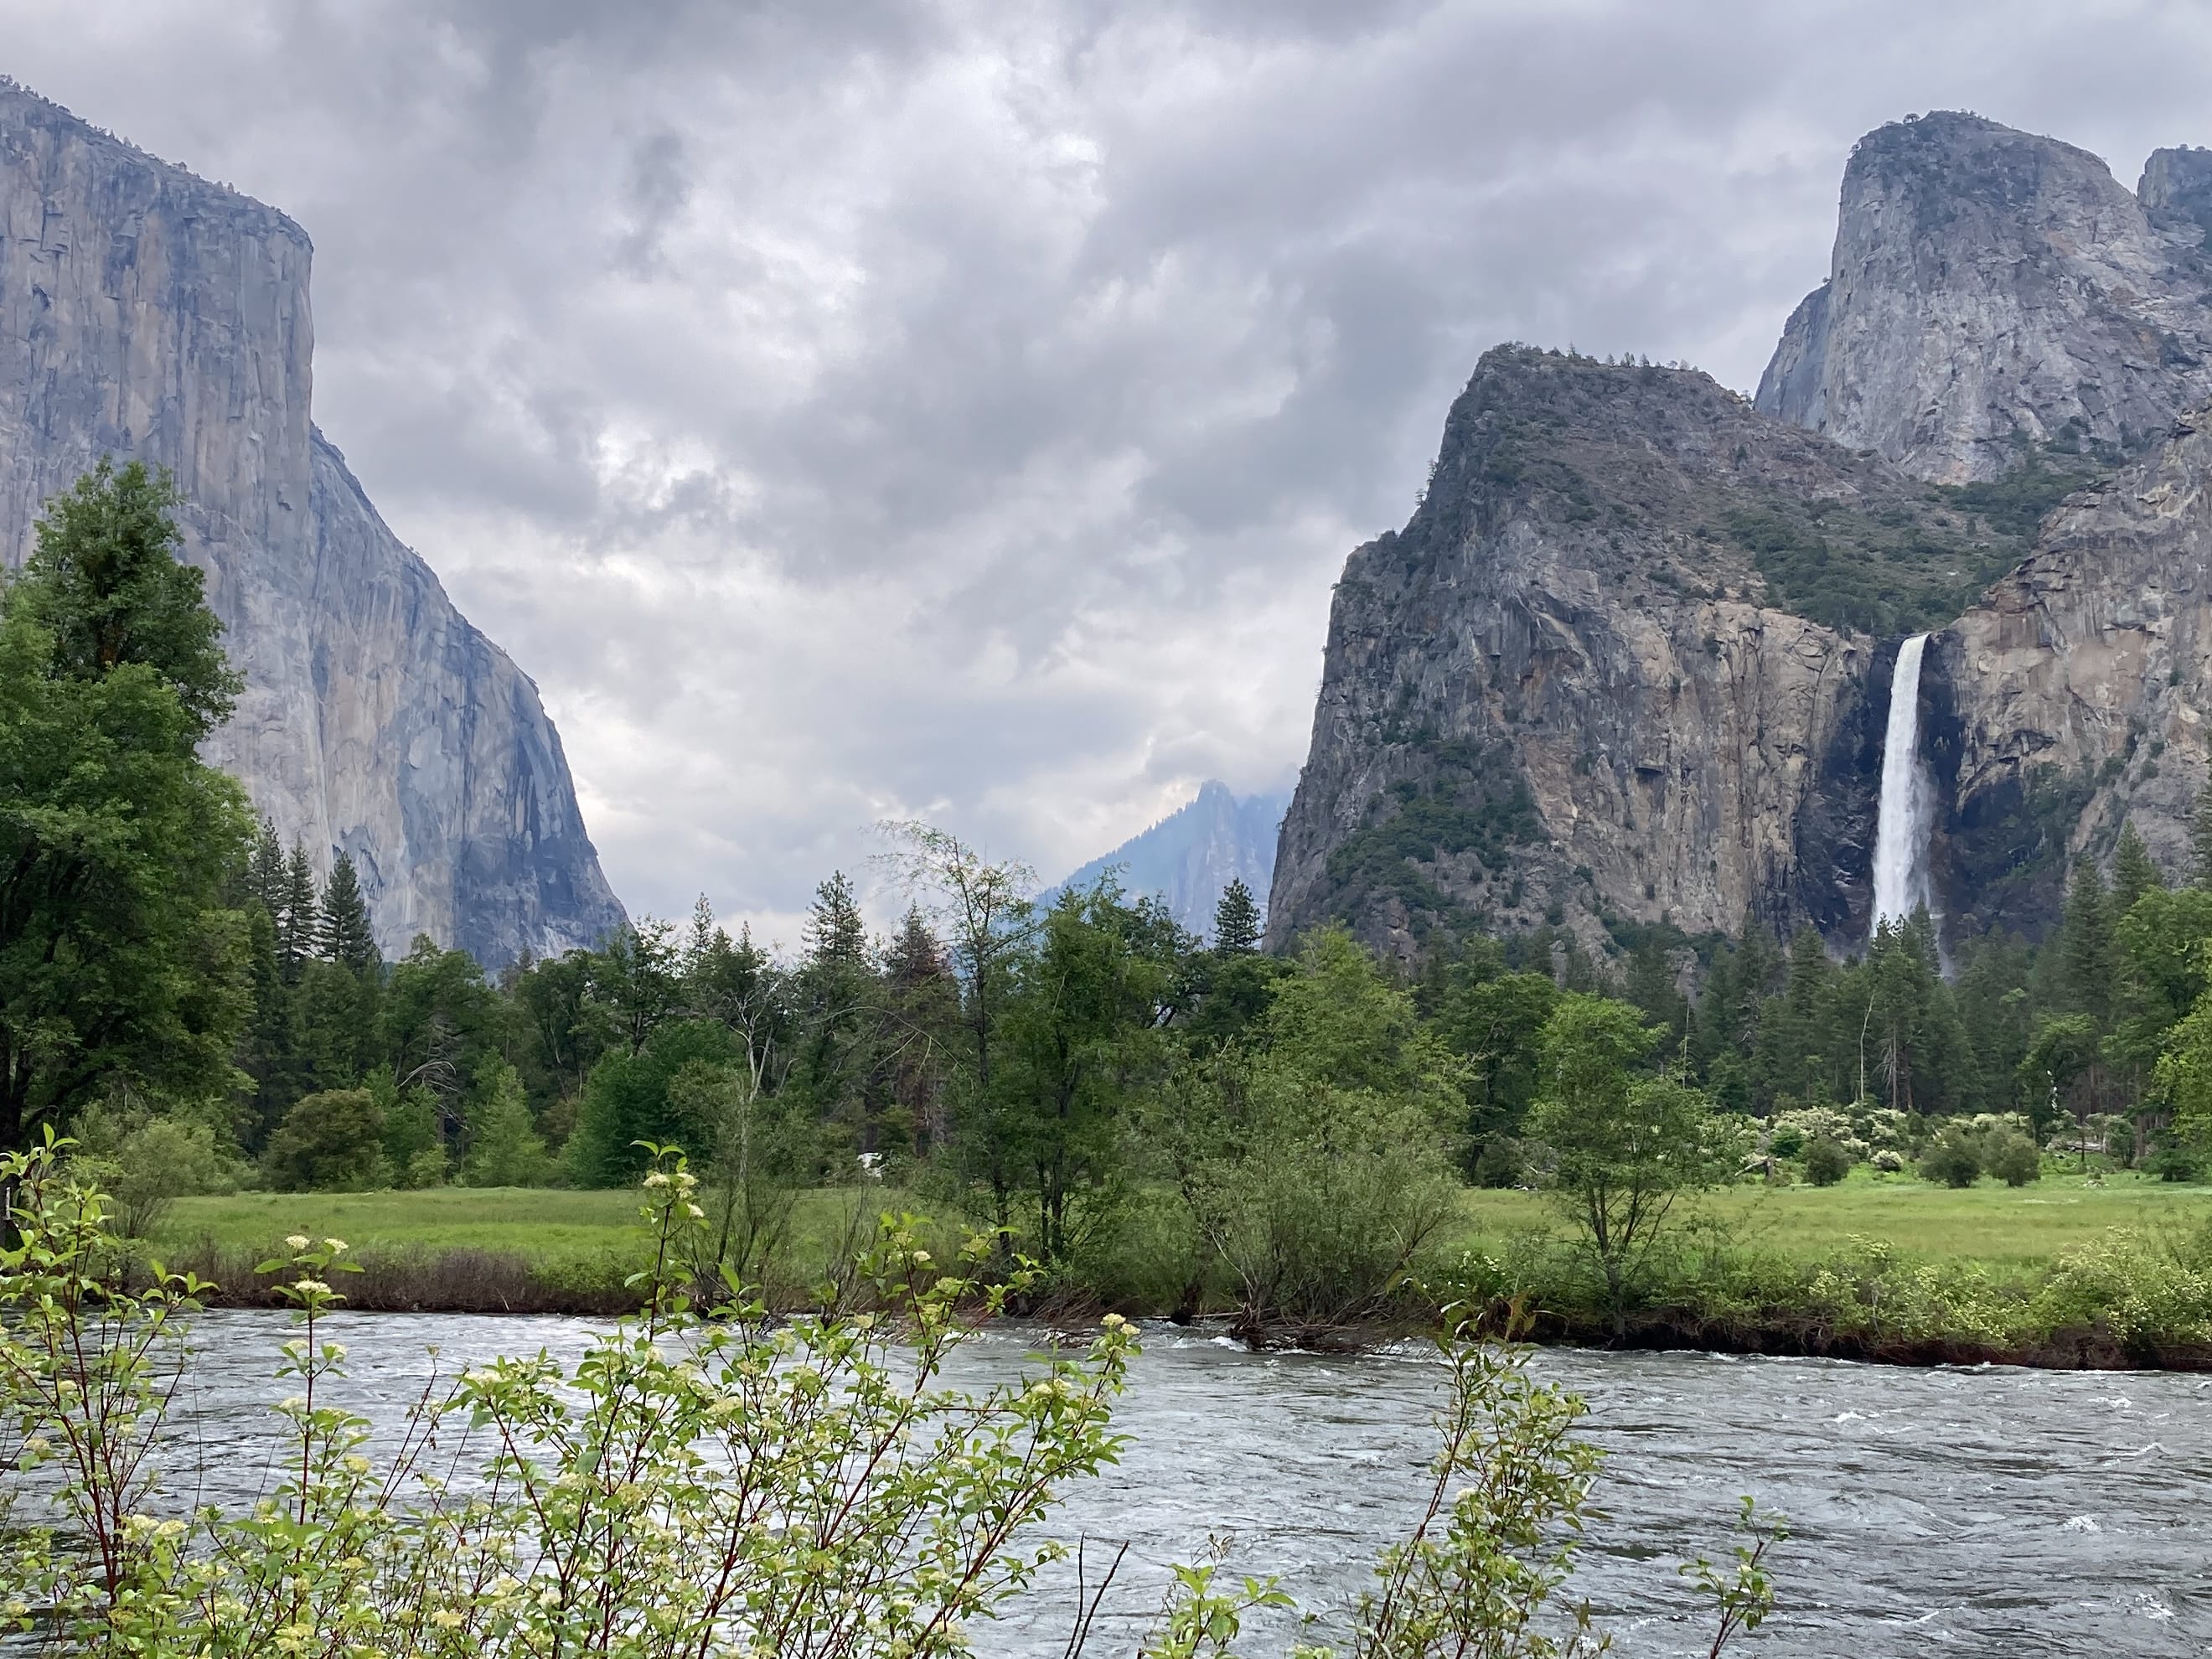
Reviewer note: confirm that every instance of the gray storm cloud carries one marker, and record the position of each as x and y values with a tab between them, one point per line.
846	410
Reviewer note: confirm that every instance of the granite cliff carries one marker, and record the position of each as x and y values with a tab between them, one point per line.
1993	293
1629	662
1617	666
145	313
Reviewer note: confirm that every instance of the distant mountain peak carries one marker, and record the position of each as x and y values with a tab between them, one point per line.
1190	857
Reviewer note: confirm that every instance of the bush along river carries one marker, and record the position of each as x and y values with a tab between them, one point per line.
1962	1511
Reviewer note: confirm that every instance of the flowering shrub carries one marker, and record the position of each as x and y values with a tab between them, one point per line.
721	1487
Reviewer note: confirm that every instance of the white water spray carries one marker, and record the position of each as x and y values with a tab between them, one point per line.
1901	836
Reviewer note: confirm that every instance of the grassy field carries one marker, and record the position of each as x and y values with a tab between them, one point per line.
1986	1222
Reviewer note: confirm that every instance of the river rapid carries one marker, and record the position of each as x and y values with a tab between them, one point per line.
1982	1511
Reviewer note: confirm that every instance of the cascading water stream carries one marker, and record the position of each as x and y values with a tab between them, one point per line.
1901	839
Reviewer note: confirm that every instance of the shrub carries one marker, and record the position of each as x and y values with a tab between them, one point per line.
149	1162
1889	1160
331	1141
1954	1160
2012	1158
1500	1163
1826	1162
809	1488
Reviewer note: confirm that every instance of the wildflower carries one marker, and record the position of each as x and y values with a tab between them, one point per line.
1114	1322
445	1619
657	1178
295	1241
697	1213
921	1258
335	1246
312	1287
356	1464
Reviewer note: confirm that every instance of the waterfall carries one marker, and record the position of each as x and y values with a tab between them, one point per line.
1901	839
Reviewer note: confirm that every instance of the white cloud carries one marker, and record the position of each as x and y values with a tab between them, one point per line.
856	410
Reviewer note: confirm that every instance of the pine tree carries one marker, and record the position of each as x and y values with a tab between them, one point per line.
264	870
2133	872
834	932
505	1149
2086	951
296	914
1236	920
343	934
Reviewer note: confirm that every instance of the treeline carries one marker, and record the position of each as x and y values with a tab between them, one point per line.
2087	1033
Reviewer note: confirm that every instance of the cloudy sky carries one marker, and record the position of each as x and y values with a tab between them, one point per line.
848	409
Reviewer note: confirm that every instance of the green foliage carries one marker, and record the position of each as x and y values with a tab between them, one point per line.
1236	920
1888	573
331	1141
146	1161
1954	1159
343	934
1475	802
120	957
1826	1163
630	1099
2012	1158
1623	1144
505	1149
809	1488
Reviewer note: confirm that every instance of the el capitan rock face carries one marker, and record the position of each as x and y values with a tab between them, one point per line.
1993	291
146	313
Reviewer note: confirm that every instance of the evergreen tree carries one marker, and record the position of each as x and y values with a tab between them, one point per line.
834	932
343	934
120	850
2086	946
1236	920
2133	872
298	916
264	871
922	1005
505	1149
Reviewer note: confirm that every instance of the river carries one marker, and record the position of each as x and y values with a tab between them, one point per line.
1983	1511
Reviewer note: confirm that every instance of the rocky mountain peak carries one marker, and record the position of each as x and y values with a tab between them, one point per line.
2175	190
1994	295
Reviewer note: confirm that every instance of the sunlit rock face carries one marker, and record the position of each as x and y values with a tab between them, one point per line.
1992	292
146	313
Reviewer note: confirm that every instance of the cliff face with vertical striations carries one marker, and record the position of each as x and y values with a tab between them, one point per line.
1993	291
1629	662
1605	674
2075	698
146	313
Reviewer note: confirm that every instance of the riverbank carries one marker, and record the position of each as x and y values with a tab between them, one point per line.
2113	1272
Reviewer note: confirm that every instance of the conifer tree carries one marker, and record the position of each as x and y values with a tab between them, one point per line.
2133	872
264	870
1236	920
297	914
343	934
2086	950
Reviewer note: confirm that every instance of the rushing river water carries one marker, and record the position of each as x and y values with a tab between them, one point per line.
1986	1511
